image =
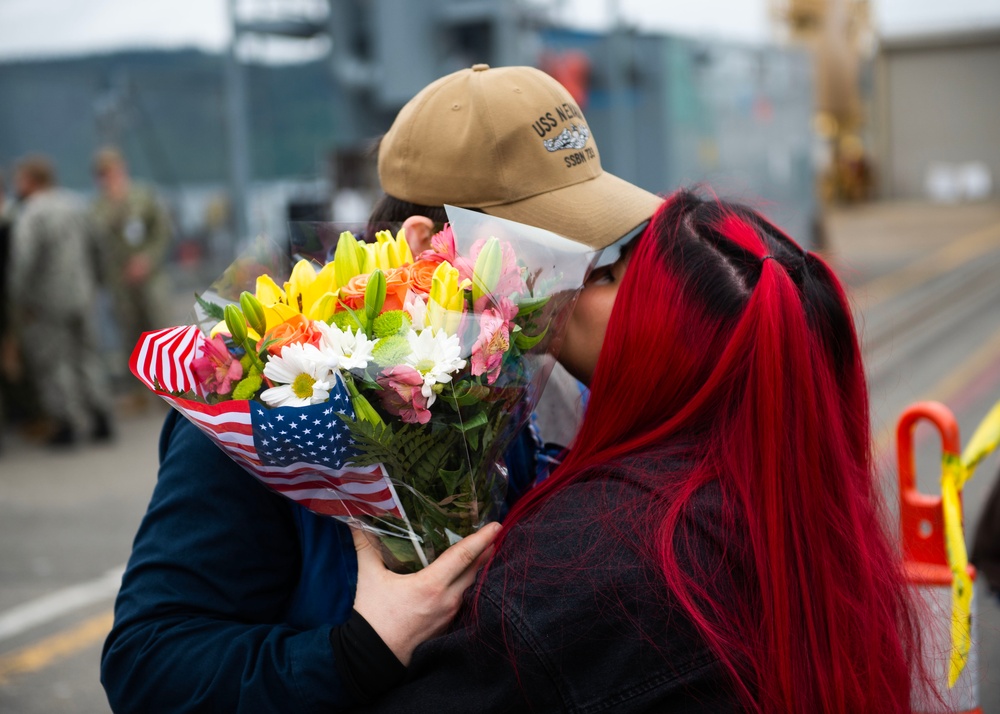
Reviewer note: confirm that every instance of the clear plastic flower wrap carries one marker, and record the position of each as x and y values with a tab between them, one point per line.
370	384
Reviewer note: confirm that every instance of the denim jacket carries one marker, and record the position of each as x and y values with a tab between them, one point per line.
571	617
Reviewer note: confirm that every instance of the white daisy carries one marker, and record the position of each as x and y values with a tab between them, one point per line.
348	349
436	355
303	376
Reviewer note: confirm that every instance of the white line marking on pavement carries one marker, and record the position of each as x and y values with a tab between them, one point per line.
49	607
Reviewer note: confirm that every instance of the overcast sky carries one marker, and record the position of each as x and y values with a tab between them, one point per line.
53	27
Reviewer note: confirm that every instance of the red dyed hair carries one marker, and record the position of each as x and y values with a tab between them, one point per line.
750	344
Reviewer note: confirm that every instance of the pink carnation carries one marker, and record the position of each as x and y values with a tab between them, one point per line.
216	370
492	345
401	395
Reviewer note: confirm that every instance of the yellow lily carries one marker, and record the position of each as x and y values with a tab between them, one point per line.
307	292
385	253
444	308
303	275
268	291
324	307
273	305
396	250
405	254
374	256
312	293
273	302
348	258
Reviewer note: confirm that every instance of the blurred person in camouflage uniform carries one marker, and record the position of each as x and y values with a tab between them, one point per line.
18	402
51	305
133	236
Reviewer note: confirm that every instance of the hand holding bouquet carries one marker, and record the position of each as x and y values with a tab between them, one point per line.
380	386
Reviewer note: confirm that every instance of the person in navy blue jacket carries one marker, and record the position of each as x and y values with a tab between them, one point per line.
236	599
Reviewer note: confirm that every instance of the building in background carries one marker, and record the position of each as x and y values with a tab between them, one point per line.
939	115
666	110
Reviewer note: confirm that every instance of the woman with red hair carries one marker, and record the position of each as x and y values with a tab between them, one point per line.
714	541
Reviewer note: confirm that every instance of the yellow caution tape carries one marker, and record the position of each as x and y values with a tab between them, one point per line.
983	442
952	476
955	472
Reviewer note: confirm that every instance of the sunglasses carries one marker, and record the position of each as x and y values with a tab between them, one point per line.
613	252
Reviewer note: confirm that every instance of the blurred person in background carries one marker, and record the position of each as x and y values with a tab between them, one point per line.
133	240
51	306
18	403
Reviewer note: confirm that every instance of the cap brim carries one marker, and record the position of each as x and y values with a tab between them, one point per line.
596	212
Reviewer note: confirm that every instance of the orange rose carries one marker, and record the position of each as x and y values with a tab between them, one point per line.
296	330
353	294
397	284
421	273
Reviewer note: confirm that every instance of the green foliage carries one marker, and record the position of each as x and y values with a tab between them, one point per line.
452	478
374	297
390	351
216	312
355	321
340	320
264	346
345	320
470	427
237	324
526	306
429	458
393	322
443	473
248	387
467	392
525	342
402	551
473	422
253	311
411	452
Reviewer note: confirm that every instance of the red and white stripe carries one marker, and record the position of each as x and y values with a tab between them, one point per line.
162	361
162	358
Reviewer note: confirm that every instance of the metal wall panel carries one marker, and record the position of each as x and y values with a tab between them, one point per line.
941	105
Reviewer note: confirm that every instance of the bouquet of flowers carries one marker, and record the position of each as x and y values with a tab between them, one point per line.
379	387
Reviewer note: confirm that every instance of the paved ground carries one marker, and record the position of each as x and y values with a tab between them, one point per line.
922	282
66	520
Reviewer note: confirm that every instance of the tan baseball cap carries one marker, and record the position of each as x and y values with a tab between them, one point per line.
511	142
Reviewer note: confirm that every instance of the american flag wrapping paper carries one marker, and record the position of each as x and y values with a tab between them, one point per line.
297	451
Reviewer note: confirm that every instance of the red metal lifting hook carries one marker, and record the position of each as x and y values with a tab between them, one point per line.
921	516
925	560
